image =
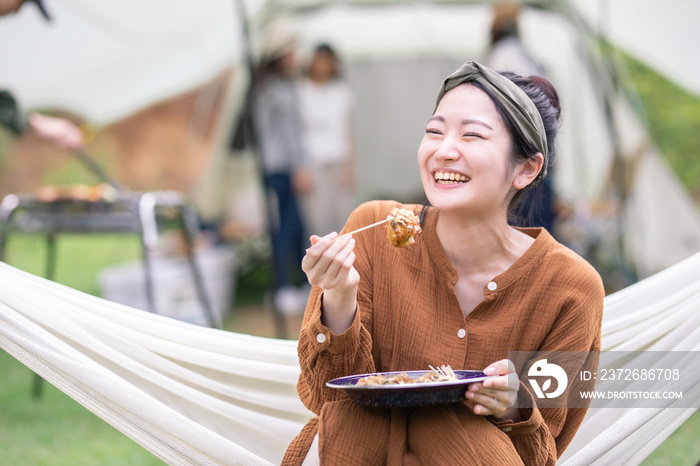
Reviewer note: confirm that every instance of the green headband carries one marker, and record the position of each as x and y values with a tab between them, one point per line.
516	102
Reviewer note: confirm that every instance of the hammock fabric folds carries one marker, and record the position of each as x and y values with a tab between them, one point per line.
195	395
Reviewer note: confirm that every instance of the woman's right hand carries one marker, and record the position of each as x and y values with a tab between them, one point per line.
328	264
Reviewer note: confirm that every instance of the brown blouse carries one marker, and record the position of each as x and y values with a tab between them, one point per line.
408	317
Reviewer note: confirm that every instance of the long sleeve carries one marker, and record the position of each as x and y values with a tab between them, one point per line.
324	355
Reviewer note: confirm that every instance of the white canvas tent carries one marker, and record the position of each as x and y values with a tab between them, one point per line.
106	60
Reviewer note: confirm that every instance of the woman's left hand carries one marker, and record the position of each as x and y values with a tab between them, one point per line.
497	396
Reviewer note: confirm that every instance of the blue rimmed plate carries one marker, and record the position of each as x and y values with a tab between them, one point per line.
407	395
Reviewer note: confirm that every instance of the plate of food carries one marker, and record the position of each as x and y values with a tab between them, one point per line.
408	388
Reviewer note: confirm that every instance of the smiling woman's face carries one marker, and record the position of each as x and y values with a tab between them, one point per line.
463	156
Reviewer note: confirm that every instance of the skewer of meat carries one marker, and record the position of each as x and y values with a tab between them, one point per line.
402	225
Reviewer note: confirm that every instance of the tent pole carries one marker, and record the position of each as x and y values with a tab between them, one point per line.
617	187
248	138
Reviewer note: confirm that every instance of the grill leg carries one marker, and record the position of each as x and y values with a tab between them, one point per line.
50	270
49	273
189	230
148	233
148	276
3	242
7	208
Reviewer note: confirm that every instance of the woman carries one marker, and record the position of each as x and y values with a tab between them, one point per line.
472	289
326	113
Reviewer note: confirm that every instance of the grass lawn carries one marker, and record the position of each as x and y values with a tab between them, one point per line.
681	448
55	430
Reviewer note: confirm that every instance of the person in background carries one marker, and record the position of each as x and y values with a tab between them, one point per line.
284	162
508	53
506	50
326	112
58	131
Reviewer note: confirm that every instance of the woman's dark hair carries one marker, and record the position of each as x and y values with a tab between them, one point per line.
268	67
546	99
326	49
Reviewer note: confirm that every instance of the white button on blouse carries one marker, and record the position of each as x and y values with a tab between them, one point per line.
492	286
462	333
321	338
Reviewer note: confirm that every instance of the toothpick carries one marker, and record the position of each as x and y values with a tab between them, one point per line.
381	222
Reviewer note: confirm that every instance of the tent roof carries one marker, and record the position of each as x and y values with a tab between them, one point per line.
105	60
660	33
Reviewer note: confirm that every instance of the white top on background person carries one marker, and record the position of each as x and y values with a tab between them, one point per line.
506	50
327	103
326	117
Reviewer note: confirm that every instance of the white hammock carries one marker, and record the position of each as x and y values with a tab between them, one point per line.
195	395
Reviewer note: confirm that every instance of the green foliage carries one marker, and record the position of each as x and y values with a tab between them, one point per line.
254	274
673	118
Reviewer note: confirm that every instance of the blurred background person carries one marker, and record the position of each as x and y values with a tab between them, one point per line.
506	52
327	104
284	163
59	131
